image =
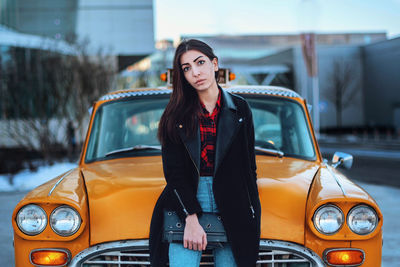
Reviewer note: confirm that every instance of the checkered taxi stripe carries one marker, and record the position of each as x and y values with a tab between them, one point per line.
263	91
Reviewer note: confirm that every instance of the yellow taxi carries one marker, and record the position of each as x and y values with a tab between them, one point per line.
99	213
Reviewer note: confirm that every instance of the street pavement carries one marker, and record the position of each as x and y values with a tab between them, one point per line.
373	162
9	200
388	199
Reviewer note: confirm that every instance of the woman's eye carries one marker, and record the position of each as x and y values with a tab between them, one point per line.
185	69
201	62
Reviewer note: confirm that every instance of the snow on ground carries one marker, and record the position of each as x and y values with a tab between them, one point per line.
26	180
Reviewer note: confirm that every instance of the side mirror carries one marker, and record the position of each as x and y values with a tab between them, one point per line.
340	158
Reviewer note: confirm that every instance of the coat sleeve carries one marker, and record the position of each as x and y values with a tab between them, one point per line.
173	157
251	141
255	199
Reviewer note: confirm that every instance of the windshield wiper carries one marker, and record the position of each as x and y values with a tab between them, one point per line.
269	151
134	148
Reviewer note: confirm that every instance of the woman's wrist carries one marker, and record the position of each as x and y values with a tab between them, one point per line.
191	218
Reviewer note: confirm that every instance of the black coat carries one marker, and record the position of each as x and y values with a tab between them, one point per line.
234	183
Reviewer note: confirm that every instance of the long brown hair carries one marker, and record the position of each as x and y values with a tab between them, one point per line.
184	104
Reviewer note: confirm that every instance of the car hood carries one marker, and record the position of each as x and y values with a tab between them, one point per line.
283	185
122	194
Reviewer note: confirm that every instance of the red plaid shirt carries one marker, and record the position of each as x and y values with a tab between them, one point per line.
208	135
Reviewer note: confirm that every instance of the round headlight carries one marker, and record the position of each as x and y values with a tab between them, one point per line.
65	221
362	219
328	219
31	219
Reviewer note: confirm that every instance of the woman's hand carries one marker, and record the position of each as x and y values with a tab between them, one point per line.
194	236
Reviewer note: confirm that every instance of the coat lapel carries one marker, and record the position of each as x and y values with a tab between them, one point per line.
227	126
192	144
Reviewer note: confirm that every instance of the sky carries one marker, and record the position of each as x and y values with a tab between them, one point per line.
174	18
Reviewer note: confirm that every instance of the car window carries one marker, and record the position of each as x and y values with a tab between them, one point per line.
281	124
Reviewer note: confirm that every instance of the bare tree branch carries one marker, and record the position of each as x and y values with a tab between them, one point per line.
42	90
343	87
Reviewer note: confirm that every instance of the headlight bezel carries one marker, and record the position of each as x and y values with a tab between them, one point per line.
314	219
65	207
46	221
348	218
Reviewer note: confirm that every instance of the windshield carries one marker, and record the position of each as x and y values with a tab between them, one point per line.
124	124
128	127
280	124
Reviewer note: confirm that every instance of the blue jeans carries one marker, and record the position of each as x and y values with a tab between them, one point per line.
179	256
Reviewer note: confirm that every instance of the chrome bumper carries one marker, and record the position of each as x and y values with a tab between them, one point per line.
135	252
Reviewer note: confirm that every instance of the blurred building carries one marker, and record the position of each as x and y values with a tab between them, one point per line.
362	67
231	47
54	19
364	74
121	27
381	83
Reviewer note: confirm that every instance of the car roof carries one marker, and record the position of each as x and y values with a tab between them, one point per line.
238	89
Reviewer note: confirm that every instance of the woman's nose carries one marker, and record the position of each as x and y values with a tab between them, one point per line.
196	72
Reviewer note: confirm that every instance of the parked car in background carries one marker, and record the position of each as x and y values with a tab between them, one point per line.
99	213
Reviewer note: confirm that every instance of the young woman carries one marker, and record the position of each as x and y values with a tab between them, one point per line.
207	139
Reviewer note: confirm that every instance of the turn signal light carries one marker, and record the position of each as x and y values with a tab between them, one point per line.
50	257
345	257
163	77
232	76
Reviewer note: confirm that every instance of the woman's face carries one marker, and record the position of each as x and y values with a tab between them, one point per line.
199	70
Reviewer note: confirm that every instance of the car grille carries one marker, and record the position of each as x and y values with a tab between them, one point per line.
128	254
128	258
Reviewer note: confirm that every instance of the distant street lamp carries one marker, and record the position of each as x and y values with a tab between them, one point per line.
308	17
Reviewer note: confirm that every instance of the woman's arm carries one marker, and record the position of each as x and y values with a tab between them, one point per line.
173	162
174	171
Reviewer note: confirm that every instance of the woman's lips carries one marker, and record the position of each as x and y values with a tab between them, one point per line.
199	81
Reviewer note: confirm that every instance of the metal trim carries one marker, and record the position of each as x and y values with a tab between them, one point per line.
180	201
101	248
336	179
293	247
54	249
326	251
58	182
144	244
